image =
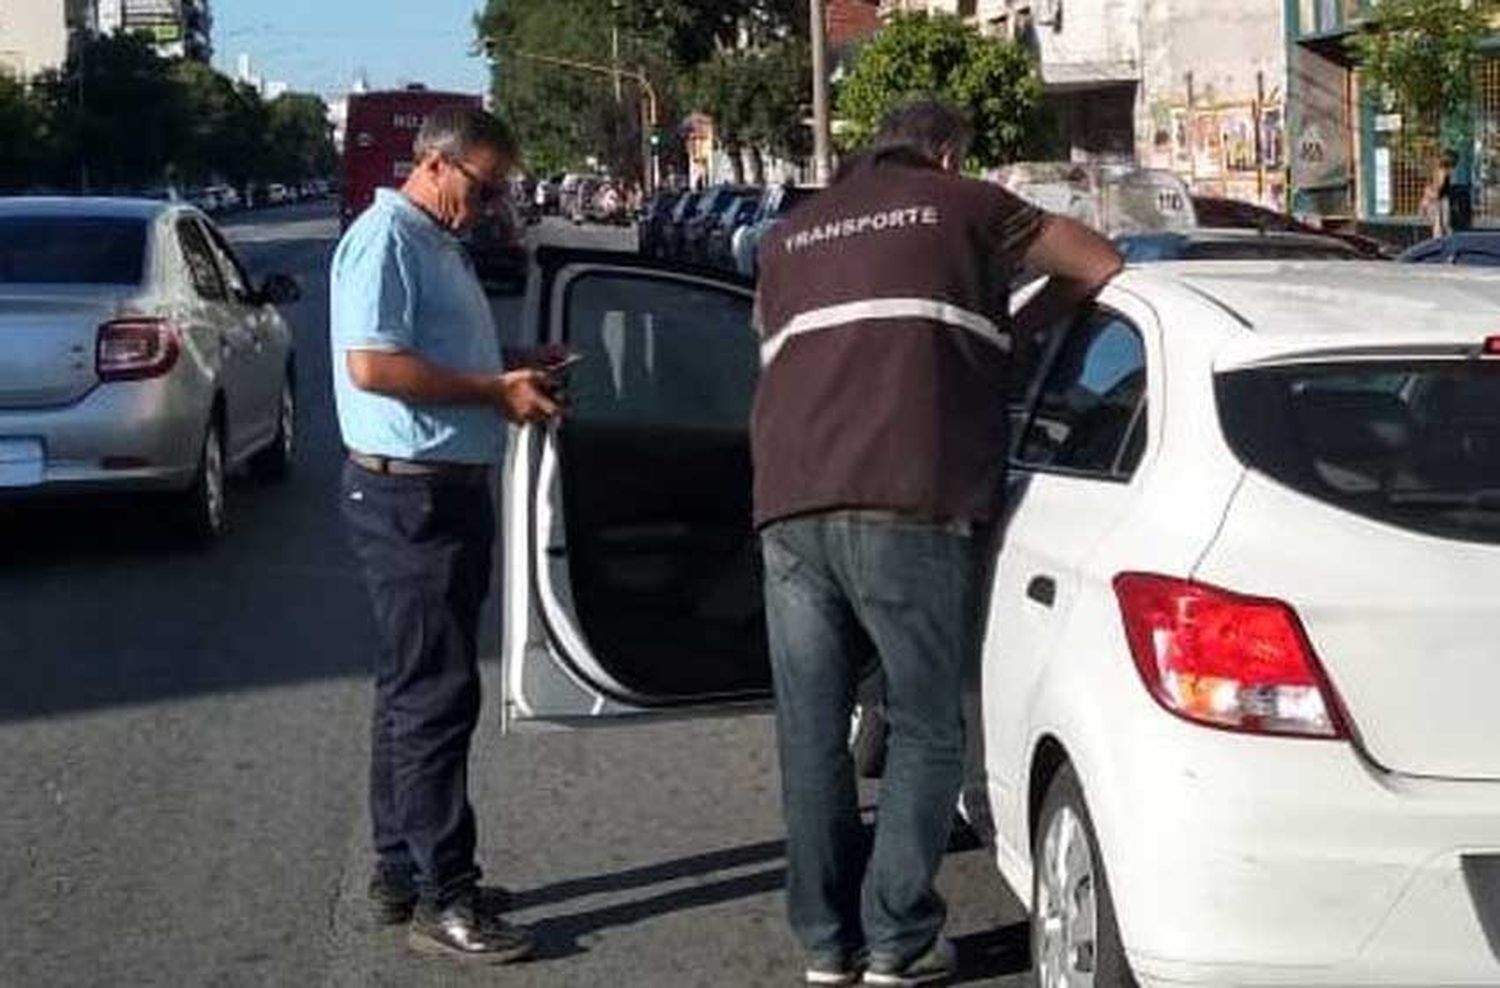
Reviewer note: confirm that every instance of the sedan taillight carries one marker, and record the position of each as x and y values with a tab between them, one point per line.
1226	660
135	349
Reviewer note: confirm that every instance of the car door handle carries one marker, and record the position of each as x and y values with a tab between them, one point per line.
1043	590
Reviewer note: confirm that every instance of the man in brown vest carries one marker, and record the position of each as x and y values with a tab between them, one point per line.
879	441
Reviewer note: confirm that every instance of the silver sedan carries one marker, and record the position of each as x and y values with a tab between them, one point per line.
137	355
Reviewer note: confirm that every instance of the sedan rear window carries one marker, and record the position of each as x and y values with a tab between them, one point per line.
1413	444
72	250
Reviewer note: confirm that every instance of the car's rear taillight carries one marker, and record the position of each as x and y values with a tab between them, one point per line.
134	349
1226	660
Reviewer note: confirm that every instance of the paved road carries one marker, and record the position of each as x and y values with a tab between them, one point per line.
183	735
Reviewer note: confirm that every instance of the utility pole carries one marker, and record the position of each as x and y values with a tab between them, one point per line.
614	43
822	166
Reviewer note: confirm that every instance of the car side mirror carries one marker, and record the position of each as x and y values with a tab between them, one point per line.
279	289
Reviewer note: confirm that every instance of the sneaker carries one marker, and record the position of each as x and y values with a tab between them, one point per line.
467	929
393	896
837	968
937	963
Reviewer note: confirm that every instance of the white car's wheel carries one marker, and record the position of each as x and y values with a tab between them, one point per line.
1075	942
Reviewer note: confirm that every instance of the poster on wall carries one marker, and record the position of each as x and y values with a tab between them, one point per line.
1272	138
1237	137
1382	181
1208	145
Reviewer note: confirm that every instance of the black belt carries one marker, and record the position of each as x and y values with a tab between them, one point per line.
466	473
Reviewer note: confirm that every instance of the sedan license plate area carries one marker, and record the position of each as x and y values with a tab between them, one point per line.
21	462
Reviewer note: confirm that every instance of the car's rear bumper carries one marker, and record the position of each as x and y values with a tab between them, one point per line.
1258	861
126	436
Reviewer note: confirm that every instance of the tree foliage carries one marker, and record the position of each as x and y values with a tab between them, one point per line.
743	61
758	98
1422	54
937	55
118	117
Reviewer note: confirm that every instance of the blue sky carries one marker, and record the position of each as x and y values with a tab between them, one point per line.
319	45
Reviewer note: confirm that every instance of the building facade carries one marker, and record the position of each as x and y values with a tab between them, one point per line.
177	28
36	35
1354	159
1197	87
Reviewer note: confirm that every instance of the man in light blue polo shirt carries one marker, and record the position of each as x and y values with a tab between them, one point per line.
422	398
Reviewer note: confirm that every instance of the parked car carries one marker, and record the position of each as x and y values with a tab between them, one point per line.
651	224
1236	715
1232	244
1475	248
682	213
694	243
276	194
137	355
1216	211
721	234
580	200
546	196
775	202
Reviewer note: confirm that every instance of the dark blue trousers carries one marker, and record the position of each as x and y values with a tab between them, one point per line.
424	546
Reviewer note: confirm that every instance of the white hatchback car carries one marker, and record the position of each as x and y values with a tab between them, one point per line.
1238	690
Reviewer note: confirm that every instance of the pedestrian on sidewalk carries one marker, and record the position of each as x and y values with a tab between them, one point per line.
422	402
879	442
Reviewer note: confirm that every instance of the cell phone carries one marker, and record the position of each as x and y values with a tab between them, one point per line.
563	364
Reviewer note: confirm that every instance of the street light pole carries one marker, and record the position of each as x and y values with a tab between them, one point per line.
822	166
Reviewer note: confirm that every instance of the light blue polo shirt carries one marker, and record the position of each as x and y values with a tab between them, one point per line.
400	281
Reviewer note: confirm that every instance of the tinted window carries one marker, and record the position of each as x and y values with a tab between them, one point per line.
1137	250
57	250
200	261
659	353
1415	444
1090	401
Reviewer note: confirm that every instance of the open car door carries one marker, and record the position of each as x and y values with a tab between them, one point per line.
631	571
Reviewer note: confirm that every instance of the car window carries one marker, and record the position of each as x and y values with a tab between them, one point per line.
659	353
1478	258
1090	411
72	250
230	267
207	281
1138	250
1415	444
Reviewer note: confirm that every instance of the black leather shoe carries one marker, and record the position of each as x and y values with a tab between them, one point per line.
393	896
468	929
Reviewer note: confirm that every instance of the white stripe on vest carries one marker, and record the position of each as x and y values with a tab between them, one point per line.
885	308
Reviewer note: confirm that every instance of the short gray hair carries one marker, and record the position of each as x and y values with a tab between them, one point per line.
454	131
929	127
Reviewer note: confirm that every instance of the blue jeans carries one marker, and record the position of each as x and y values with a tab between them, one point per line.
424	547
841	590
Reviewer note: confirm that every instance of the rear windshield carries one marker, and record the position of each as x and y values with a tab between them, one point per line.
71	250
1413	444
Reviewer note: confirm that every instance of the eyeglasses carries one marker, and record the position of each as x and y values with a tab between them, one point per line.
488	191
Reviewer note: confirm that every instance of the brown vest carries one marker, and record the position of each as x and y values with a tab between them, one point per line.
885	339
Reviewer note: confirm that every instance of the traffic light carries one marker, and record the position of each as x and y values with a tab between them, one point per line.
656	138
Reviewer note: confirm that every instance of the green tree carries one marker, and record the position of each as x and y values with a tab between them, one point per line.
757	98
21	135
119	114
301	139
939	56
1422	54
